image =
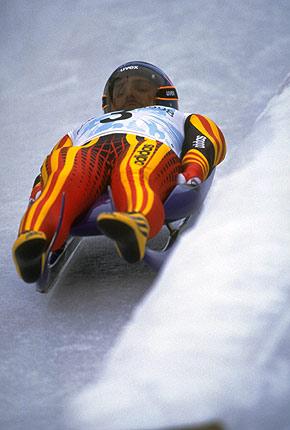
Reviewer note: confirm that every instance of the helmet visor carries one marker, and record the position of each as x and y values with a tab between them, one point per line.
131	91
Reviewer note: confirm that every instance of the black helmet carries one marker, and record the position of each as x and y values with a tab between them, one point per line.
166	94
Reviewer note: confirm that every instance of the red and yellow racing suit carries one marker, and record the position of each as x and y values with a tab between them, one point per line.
138	153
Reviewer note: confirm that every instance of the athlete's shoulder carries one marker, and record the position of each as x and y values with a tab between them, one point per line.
197	118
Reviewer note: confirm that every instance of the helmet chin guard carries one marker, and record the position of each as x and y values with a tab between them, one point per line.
166	94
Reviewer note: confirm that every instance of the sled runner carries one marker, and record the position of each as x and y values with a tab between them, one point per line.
182	208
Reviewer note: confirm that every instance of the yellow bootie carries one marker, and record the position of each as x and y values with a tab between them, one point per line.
29	255
130	231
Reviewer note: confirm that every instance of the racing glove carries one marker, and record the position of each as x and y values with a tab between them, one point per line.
193	182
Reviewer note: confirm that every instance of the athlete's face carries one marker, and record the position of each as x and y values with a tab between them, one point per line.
133	92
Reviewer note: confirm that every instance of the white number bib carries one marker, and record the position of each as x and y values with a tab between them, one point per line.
155	122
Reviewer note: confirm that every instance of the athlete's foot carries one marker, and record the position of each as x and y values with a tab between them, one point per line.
29	255
129	230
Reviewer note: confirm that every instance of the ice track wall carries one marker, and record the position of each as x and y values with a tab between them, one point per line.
211	339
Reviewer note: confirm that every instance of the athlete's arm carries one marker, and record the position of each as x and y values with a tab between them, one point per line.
204	148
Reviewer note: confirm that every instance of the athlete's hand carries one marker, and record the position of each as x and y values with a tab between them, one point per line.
193	182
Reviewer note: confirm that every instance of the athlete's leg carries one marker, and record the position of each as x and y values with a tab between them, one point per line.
81	174
78	173
143	178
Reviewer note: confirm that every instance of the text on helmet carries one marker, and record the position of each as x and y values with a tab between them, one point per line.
129	68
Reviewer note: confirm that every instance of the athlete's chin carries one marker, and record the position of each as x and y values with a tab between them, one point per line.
131	106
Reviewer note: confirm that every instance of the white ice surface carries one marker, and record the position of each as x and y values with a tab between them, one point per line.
200	345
